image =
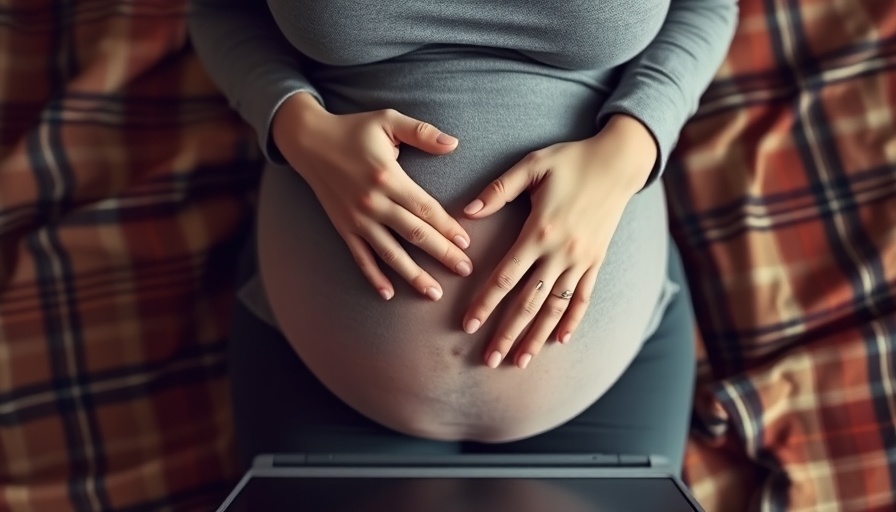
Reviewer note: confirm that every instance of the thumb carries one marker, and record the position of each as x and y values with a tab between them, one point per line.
503	190
421	135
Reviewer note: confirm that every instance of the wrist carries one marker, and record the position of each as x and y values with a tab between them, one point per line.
636	141
297	112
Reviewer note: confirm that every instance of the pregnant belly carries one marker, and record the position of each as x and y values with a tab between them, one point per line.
407	363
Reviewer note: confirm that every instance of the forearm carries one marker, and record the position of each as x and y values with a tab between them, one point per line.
248	58
662	86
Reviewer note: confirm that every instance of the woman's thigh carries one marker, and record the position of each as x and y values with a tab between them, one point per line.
648	410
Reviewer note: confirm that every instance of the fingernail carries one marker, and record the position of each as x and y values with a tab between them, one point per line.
524	361
386	294
472	326
461	242
446	139
474	207
565	338
494	359
433	293
463	268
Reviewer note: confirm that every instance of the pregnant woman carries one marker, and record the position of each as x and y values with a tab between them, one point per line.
461	242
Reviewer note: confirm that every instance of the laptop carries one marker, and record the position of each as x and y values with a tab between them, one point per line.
459	483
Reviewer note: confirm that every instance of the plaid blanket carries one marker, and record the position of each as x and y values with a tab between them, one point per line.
782	199
124	188
126	185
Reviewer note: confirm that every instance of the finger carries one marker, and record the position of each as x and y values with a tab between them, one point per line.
504	189
424	236
528	304
414	199
367	263
419	134
503	279
578	305
394	255
553	310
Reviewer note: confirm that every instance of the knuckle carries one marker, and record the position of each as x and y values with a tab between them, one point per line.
367	202
423	129
533	345
504	282
556	311
572	246
498	186
389	113
380	175
544	232
448	255
365	264
419	278
530	307
425	209
417	235
358	223
389	255
506	339
532	158
583	300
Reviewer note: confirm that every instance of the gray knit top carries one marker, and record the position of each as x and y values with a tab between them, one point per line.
506	77
651	59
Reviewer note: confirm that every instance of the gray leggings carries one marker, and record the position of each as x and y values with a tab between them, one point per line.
279	406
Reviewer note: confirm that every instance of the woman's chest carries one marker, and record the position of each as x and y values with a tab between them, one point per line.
574	34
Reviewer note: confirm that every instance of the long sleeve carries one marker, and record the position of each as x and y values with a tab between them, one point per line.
249	59
662	86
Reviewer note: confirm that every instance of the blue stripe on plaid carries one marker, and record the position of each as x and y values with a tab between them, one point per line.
195	365
829	172
122	114
48	253
741	401
877	46
740	208
834	199
67	398
882	398
780	83
707	285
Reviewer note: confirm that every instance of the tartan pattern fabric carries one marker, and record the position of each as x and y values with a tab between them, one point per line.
783	199
126	187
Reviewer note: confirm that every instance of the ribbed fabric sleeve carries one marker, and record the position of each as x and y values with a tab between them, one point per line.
248	58
662	86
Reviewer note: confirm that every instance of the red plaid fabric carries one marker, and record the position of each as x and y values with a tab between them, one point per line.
782	200
124	182
126	186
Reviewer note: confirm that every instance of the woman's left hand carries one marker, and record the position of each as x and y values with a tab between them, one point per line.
578	191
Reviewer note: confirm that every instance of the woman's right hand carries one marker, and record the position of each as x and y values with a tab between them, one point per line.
350	162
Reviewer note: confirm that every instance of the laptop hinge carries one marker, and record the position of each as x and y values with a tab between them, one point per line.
478	460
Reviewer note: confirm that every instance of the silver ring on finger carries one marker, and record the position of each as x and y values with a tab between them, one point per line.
565	294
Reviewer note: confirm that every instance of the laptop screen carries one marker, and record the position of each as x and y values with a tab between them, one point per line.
460	495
